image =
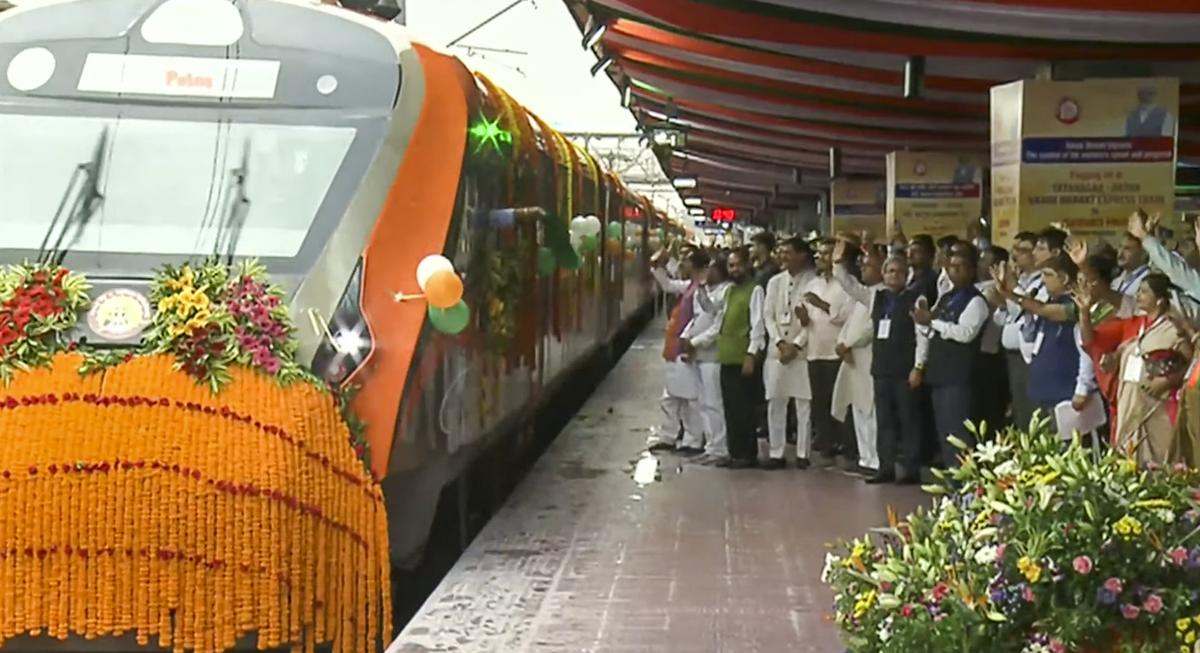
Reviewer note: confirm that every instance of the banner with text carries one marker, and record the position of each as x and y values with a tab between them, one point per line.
935	193
1090	153
858	206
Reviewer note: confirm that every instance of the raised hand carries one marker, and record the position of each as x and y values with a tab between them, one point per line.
1077	248
1137	224
839	250
1083	298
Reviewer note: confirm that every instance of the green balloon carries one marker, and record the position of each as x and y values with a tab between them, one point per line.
614	230
546	261
451	320
588	244
569	260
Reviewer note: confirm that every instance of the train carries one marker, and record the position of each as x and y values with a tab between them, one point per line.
329	146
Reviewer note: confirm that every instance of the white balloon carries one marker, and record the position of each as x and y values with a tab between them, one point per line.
594	226
576	240
579	225
431	265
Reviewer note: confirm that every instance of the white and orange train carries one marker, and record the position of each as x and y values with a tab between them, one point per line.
329	146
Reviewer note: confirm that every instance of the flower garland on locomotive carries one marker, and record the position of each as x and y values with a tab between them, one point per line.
117	518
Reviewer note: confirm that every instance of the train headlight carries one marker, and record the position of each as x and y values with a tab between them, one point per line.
349	340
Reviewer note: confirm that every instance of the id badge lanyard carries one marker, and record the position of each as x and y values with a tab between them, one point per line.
885	322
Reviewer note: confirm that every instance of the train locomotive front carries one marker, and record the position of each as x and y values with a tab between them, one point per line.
321	143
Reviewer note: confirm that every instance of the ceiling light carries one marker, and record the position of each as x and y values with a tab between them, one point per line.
684	182
914	77
696	212
693	201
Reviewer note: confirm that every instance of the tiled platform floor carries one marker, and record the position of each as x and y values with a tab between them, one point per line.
583	559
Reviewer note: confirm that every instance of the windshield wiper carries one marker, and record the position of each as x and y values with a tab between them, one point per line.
87	201
229	230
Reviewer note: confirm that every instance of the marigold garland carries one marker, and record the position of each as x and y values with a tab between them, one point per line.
136	496
116	517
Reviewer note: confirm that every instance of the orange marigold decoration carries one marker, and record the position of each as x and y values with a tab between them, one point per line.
135	499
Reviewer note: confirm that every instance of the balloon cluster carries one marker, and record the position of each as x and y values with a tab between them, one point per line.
443	290
585	232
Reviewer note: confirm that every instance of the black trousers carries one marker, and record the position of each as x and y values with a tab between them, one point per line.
737	393
1018	386
992	400
760	399
898	425
827	434
951	410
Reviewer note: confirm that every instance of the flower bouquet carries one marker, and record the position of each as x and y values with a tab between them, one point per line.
1028	549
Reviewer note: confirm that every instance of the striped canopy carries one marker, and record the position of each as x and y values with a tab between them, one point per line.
764	88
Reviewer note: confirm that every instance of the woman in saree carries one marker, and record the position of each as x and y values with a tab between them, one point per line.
1144	428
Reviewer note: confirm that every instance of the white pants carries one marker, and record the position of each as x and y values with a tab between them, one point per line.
676	410
864	432
713	409
777	426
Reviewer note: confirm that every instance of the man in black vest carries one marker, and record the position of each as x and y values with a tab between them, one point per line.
897	403
947	353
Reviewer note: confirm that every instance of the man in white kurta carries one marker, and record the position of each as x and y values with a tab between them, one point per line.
700	336
680	401
854	390
785	371
826	308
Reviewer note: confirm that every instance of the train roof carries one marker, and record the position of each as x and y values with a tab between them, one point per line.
304	24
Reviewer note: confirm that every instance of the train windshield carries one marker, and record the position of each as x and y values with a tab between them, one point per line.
176	187
169	187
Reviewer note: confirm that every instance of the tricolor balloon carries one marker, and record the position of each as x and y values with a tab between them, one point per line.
443	290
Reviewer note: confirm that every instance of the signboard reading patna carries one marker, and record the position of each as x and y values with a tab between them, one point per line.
1084	154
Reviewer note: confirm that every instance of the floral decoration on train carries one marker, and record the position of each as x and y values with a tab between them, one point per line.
39	305
209	317
1030	549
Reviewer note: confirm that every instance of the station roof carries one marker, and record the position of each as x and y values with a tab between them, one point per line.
766	87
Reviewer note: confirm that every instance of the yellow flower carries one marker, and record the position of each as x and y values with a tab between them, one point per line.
1183	625
186	280
1128	527
863	604
1030	569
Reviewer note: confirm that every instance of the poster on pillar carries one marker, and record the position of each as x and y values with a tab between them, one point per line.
858	206
1090	154
934	193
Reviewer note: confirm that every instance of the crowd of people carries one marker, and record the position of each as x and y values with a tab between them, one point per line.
869	356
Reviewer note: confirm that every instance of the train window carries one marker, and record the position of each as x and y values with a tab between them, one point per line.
168	185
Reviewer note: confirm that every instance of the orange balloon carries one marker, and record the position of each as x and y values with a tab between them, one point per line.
444	289
614	247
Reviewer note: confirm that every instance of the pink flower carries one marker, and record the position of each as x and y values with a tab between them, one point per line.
1057	646
1130	611
1000	550
1179	555
1114	585
1082	565
261	357
272	366
1028	594
1153	604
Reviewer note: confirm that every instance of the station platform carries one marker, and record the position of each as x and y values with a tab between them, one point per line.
583	558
